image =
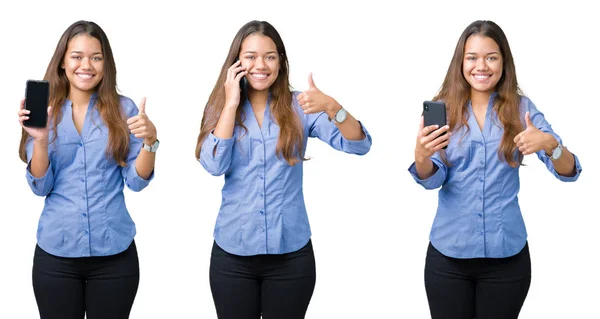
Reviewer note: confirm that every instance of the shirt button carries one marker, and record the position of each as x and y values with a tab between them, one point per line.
481	162
82	180
81	163
80	144
85	232
480	233
259	142
480	198
83	197
261	177
261	159
479	215
262	230
261	194
262	212
214	139
84	214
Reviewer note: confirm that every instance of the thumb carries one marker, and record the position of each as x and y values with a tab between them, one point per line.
311	83
528	120
142	108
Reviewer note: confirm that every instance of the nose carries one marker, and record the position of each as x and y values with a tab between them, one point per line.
481	64
260	63
85	63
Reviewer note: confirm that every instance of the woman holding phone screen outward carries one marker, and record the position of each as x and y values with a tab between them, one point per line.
478	263
262	260
95	142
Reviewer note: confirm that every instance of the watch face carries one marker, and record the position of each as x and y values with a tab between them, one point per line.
340	116
557	153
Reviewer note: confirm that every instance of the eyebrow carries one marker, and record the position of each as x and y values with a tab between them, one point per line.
80	52
270	52
473	53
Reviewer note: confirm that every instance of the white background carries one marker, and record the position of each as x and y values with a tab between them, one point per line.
370	220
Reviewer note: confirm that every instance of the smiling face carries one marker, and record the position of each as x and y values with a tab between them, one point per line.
260	58
482	64
84	63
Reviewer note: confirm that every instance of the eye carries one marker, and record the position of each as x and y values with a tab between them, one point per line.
249	57
97	58
271	57
492	58
471	58
76	57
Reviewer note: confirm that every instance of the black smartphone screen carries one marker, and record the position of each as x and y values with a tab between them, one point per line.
434	113
36	101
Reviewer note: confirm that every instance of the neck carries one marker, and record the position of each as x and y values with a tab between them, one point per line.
80	98
258	99
480	99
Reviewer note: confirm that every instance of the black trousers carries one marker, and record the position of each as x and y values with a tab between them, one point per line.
482	288
100	287
274	286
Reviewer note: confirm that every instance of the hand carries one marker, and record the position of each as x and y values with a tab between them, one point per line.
314	101
232	84
430	140
532	140
39	134
141	126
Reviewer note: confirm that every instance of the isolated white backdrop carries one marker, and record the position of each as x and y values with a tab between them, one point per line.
370	221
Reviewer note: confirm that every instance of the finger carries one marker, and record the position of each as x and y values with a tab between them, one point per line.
49	110
441	145
22	112
528	120
433	132
300	97
133	119
141	135
22	106
142	109
137	124
139	130
23	118
439	140
311	83
239	76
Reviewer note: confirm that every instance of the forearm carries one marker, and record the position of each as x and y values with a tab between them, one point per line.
425	167
144	164
565	164
350	128
226	123
39	159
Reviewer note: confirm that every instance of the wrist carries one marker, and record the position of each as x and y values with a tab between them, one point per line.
150	140
42	142
332	108
551	144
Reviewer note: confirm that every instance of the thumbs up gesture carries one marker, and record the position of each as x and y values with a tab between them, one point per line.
313	100
532	140
141	126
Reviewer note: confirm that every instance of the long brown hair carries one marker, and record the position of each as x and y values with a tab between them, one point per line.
108	104
290	142
456	91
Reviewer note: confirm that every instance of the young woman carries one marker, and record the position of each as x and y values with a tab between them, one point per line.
95	142
254	130
478	263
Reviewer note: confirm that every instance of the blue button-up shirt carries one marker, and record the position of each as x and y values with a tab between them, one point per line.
262	209
478	211
84	212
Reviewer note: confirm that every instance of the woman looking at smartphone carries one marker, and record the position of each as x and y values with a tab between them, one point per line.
262	260
95	142
478	263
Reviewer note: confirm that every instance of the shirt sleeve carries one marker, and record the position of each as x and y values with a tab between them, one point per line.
43	185
215	155
434	181
539	121
329	133
130	175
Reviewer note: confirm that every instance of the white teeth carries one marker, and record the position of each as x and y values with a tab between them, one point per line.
260	76
85	76
481	77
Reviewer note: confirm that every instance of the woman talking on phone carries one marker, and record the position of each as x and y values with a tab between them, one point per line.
254	131
95	142
478	263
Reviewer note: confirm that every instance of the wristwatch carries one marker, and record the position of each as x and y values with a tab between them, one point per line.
556	153
151	148
340	116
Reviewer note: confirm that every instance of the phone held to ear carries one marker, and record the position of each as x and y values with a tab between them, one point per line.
434	113
243	84
36	101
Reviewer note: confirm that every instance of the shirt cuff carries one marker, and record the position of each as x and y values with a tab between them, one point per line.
360	147
434	181
39	185
221	145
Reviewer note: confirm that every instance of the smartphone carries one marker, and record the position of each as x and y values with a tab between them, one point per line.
243	84
36	101
434	113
